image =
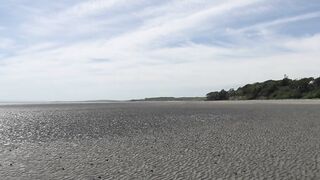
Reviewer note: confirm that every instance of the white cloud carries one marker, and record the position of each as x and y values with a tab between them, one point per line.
140	60
264	25
305	44
90	8
73	19
6	43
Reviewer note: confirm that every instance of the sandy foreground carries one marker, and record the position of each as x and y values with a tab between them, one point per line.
161	140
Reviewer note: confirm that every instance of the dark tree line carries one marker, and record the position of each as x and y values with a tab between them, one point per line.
306	88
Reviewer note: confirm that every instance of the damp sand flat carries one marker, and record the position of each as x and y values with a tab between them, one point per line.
161	140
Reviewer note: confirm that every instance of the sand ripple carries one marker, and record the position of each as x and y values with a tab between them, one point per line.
161	141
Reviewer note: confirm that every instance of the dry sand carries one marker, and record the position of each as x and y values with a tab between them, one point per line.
161	140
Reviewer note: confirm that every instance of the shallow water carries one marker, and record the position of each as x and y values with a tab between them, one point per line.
161	140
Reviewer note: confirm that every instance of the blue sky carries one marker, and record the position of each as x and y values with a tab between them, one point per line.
124	49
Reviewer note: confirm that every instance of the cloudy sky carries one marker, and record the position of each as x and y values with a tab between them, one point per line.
124	49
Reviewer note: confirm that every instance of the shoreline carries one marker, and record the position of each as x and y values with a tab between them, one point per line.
262	101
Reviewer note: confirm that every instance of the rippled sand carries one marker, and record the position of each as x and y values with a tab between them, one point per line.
161	140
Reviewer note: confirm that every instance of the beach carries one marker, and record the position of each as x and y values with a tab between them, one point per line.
161	140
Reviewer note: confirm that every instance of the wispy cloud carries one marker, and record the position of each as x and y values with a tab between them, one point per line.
120	49
73	19
6	43
277	22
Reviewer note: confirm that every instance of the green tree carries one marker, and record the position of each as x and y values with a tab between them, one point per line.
272	89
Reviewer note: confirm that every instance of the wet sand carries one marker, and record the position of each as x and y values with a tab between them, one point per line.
161	140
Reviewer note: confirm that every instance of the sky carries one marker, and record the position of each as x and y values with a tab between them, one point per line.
126	49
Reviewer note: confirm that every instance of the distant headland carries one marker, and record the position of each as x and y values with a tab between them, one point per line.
305	88
172	99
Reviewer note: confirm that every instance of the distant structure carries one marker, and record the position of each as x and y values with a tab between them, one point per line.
286	76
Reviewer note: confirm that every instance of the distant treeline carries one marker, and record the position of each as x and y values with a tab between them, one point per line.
306	88
171	99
